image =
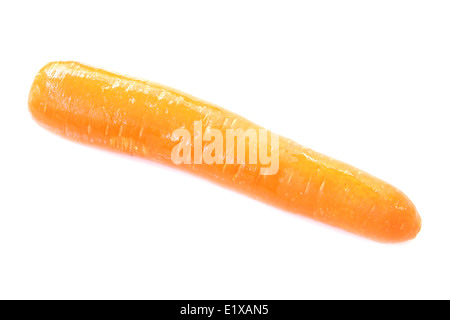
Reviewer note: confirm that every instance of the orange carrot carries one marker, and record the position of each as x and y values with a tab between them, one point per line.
141	118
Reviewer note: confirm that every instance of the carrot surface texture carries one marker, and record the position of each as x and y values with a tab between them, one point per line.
149	120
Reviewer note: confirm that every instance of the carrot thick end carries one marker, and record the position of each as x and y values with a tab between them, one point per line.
38	96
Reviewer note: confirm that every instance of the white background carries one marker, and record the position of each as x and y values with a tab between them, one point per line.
366	82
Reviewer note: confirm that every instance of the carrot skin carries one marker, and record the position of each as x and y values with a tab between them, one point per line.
138	117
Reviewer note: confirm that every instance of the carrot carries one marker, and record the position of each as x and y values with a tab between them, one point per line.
144	119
